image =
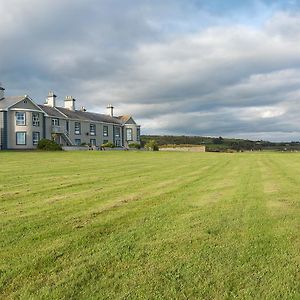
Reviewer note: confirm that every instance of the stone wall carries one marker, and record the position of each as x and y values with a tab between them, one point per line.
184	149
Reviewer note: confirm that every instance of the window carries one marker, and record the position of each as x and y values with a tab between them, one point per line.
105	130
129	134
35	138
35	119
117	132
77	128
93	142
77	142
92	129
117	143
55	122
138	134
21	138
105	141
20	119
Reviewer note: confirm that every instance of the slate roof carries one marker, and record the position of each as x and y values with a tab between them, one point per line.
10	101
88	116
51	111
60	112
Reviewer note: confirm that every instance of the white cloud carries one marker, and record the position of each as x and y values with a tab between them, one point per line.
177	68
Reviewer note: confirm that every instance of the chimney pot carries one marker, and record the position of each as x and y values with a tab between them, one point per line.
51	100
110	110
70	103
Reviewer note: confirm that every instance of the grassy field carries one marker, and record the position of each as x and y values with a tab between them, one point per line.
142	225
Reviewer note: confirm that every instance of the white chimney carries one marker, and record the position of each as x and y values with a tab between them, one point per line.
70	103
110	110
1	91
51	100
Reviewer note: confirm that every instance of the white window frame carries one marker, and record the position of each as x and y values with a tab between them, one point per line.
138	134
55	122
105	132
35	137
92	129
129	134
23	133
117	132
77	142
77	128
35	119
20	118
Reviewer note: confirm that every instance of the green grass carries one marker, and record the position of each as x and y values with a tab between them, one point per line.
142	225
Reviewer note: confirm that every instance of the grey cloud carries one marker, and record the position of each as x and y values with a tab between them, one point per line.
174	65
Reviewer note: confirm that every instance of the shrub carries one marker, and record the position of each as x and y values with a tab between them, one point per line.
152	145
48	145
134	145
108	145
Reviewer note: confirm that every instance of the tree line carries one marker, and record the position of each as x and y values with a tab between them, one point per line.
220	144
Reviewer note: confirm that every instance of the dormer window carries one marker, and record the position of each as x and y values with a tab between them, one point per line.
55	122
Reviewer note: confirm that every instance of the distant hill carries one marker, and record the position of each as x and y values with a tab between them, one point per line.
221	144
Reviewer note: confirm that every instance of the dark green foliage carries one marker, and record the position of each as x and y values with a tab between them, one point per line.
152	145
218	141
134	145
108	145
176	140
221	144
48	145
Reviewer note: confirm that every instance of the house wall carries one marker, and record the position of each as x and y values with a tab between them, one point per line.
9	128
3	130
134	139
49	133
28	128
84	136
28	108
47	129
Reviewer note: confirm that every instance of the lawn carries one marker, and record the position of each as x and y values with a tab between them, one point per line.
145	225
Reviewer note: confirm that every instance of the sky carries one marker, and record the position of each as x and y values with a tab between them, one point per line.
180	67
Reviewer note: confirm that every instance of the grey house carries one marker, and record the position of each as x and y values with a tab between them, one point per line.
23	123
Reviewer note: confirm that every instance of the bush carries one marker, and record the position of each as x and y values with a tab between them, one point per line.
48	145
108	145
152	145
134	145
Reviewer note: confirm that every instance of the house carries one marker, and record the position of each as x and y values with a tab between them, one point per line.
23	123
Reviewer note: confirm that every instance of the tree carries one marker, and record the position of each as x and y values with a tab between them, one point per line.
48	145
218	140
152	145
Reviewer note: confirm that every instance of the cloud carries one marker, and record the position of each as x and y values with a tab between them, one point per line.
180	67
